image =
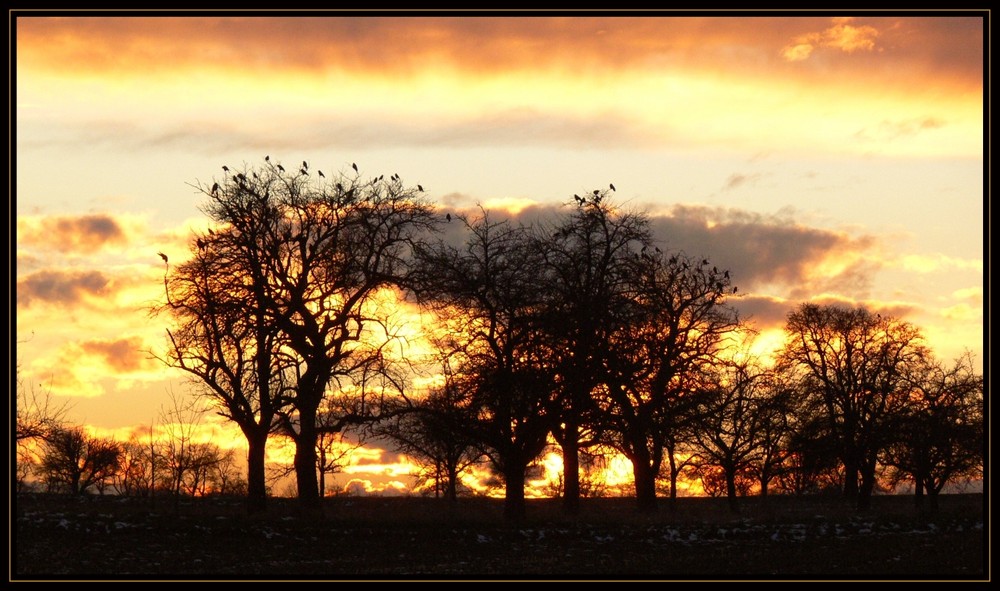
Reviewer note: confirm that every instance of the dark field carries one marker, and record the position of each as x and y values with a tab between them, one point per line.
416	538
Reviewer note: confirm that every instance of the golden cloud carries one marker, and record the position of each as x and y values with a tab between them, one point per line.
842	35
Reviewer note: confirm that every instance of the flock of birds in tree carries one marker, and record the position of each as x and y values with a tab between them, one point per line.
240	178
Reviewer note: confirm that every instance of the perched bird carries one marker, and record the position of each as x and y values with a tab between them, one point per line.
320	172
578	198
305	165
612	185
215	188
726	274
734	289
241	177
303	171
354	166
420	188
596	192
447	217
210	232
164	257
267	158
225	168
201	244
704	261
281	168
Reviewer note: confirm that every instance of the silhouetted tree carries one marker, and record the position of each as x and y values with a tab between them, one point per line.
36	413
75	462
488	299
730	422
137	474
436	433
225	337
672	332
316	252
589	268
854	363
939	436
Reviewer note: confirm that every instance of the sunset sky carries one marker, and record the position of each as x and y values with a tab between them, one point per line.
817	158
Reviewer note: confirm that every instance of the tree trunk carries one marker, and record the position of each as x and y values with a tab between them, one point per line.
850	480
731	489
513	507
256	483
305	461
673	478
867	488
918	491
452	490
645	485
571	469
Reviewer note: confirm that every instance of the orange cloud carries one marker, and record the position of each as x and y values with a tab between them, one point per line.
842	35
124	355
80	234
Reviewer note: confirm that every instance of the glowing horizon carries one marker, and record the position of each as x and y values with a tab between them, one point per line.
819	159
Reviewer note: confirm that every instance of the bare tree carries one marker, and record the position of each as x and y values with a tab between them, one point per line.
731	422
854	364
488	299
674	329
75	462
315	252
589	264
435	432
940	433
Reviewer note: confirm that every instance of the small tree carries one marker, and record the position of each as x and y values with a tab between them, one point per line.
75	462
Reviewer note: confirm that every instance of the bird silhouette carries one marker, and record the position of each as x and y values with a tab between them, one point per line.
281	168
303	171
578	198
215	188
354	166
447	217
210	232
596	192
225	168
420	188
164	257
612	185
201	244
305	165
735	288
241	177
267	158
320	173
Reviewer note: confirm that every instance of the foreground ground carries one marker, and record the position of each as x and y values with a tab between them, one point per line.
416	538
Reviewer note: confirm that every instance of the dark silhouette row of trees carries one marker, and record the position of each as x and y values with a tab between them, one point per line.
65	458
580	330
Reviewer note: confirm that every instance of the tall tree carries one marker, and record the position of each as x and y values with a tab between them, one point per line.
854	363
589	264
315	252
224	337
488	299
672	332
